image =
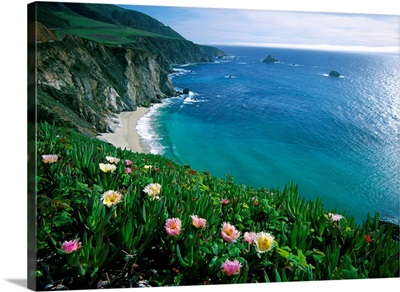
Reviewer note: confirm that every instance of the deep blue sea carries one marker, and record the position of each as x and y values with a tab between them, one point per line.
269	124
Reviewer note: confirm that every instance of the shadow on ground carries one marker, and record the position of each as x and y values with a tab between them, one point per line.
19	282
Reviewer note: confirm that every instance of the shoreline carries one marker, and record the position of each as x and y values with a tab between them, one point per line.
126	135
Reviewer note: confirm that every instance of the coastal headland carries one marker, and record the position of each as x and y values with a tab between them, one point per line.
86	76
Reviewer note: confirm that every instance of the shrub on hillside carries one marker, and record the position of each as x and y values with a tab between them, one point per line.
109	218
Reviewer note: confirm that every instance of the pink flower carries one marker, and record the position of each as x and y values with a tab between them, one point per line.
70	246
173	226
128	162
249	237
128	170
225	201
50	158
231	267
335	217
198	222
229	232
255	202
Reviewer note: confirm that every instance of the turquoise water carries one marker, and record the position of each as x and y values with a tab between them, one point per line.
269	124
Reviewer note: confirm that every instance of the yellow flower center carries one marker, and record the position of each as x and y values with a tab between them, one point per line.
264	243
228	231
111	199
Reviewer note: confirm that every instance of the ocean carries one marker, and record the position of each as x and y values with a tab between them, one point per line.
269	124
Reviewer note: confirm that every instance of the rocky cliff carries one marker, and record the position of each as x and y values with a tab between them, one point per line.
82	83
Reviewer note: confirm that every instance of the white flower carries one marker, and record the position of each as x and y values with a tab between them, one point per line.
111	198
107	167
264	241
153	190
112	159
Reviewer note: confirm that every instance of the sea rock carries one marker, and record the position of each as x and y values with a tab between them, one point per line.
334	73
270	59
185	91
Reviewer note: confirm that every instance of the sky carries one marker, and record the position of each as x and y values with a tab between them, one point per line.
257	27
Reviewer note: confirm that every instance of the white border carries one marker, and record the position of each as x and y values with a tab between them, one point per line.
13	120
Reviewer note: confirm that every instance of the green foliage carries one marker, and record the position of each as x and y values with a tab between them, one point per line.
113	35
106	24
127	242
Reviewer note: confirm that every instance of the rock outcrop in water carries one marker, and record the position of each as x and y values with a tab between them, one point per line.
270	59
334	73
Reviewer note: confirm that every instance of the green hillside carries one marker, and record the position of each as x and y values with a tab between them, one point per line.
112	218
116	15
102	23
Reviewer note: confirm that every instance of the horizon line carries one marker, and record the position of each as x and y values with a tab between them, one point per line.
319	47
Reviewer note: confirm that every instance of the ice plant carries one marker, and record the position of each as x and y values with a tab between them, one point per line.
225	201
112	159
255	202
229	232
368	238
249	237
153	190
335	217
173	226
107	167
148	167
70	246
111	198
264	241
198	222
128	162
192	172
128	170
49	158
231	267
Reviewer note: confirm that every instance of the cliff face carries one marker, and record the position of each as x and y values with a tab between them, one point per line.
95	60
82	84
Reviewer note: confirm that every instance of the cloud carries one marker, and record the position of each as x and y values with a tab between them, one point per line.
224	26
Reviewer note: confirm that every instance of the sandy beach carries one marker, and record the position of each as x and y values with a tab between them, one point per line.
126	135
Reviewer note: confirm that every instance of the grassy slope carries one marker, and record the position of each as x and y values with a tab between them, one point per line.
124	17
106	24
308	244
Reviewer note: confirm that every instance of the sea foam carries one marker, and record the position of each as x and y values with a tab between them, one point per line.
146	130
